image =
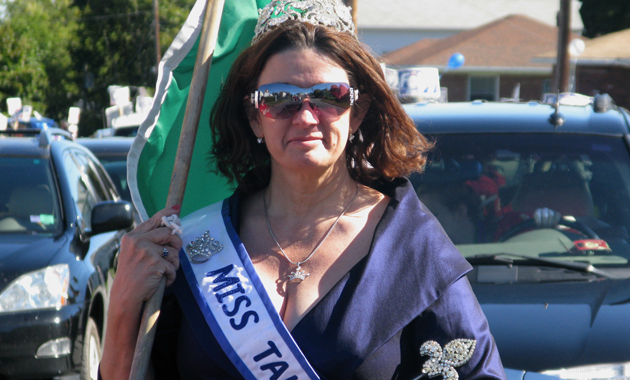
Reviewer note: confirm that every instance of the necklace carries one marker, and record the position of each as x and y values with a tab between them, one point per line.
298	275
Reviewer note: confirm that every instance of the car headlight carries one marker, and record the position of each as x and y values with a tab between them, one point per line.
617	371
45	288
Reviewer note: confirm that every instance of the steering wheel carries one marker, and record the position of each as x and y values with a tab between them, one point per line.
531	224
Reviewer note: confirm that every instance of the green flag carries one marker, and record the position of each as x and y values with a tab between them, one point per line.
150	163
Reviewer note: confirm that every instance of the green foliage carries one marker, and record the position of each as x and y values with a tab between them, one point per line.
118	47
604	16
55	54
35	63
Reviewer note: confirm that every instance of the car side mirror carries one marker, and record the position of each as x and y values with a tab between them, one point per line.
111	216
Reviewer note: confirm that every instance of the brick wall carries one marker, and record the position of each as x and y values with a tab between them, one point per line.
531	86
590	80
457	86
615	81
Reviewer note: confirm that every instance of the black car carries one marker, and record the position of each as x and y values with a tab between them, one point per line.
537	198
61	221
112	153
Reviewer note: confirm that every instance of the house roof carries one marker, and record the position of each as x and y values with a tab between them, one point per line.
456	14
612	48
510	42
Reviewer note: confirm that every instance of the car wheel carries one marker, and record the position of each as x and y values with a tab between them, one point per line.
92	352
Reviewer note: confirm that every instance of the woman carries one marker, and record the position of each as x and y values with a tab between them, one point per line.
323	264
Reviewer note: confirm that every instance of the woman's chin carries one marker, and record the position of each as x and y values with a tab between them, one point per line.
308	162
307	155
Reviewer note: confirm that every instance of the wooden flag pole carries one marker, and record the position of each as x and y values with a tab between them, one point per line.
183	158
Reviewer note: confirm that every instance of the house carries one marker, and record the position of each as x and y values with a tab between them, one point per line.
389	25
603	66
498	59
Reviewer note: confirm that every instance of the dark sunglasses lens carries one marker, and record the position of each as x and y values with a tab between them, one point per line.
284	110
282	101
334	94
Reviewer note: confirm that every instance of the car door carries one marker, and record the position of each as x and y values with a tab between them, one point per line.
98	187
89	187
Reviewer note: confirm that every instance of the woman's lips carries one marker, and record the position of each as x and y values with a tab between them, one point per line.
305	139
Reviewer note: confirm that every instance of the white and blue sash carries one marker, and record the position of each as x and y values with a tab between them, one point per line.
235	303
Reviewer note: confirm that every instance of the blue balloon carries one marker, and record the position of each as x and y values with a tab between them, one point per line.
455	61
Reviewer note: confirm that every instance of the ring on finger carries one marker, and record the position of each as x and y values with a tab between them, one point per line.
164	252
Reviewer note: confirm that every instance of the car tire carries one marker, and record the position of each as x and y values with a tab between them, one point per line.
92	352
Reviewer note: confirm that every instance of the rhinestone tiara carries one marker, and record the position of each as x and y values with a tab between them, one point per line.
202	248
330	13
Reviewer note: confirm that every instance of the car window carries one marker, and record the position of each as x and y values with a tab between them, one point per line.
28	196
117	171
107	181
126	131
96	181
114	162
80	186
485	189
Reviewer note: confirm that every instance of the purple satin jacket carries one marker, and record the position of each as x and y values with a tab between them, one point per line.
411	288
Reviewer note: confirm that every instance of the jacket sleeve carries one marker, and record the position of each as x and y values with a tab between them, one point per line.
456	314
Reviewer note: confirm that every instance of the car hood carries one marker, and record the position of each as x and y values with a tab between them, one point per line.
558	325
21	254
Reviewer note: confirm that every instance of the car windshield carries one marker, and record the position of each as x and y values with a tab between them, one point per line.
499	195
28	197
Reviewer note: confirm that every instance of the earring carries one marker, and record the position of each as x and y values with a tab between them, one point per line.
260	140
351	137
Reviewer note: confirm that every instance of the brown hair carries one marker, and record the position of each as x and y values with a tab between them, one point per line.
387	145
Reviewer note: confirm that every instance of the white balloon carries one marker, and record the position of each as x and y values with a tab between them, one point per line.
576	47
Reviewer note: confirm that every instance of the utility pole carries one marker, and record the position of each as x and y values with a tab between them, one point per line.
561	80
354	4
156	17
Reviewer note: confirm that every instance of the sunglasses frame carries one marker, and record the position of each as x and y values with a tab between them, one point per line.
304	93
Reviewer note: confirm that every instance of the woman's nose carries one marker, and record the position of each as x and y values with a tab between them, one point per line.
306	114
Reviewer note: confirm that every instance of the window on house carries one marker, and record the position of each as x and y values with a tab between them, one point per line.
483	88
547	86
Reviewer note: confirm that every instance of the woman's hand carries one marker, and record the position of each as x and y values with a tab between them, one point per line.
142	260
141	264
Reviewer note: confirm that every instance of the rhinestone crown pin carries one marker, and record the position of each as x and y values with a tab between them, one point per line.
456	353
202	248
329	13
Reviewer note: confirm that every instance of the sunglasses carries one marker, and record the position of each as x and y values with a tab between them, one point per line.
282	101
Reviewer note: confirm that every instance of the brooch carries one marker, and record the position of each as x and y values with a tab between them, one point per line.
202	248
456	353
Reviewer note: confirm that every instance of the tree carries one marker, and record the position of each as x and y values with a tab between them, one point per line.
604	16
55	54
35	63
118	48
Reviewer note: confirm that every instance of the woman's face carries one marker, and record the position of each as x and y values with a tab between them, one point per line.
304	141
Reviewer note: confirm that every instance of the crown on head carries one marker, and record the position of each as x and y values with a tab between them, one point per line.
330	13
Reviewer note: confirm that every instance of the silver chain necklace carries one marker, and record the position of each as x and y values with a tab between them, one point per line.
298	275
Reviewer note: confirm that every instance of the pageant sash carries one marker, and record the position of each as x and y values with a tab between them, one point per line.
234	302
